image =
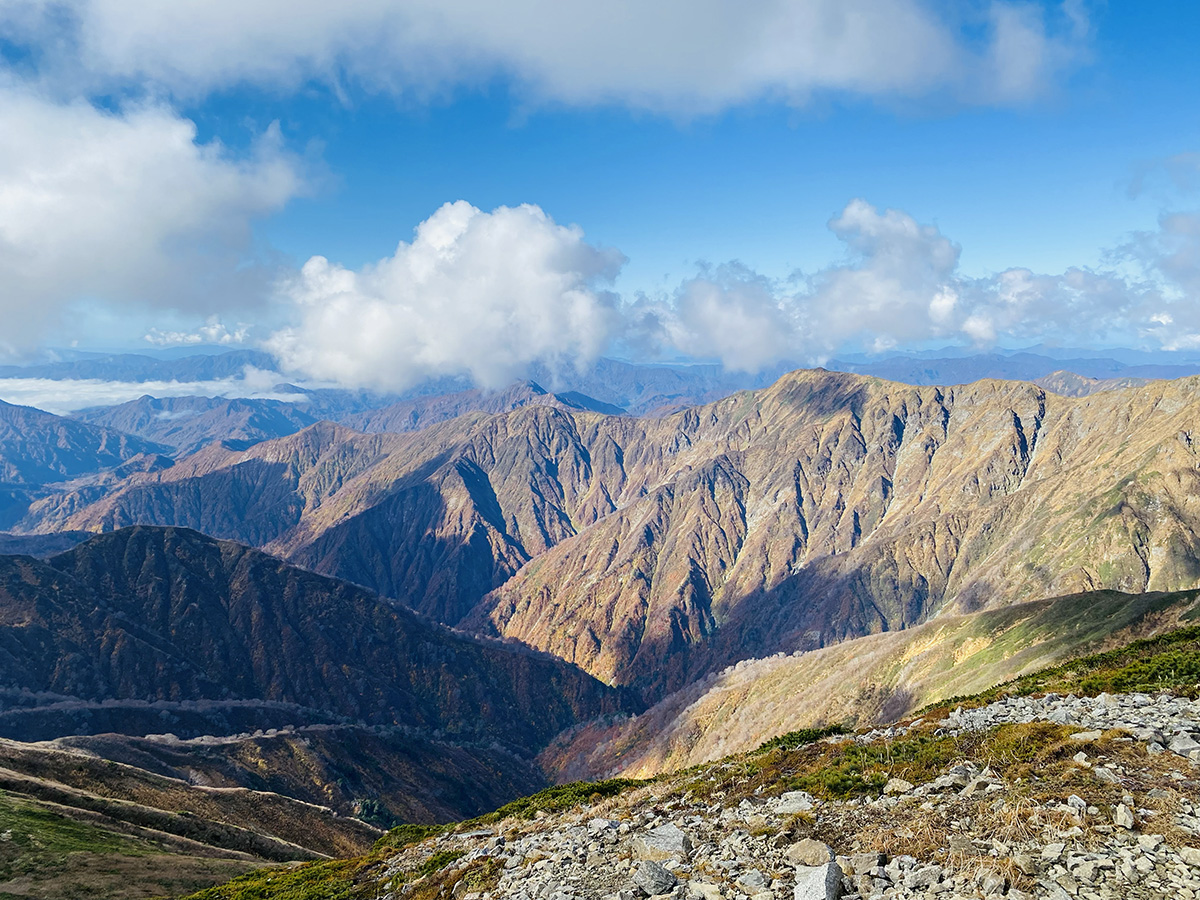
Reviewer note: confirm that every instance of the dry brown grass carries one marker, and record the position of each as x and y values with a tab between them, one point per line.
921	834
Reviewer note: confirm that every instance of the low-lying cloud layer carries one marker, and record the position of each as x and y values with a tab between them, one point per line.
900	284
63	396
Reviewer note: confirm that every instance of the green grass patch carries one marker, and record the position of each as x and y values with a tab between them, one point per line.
439	861
37	841
794	739
855	770
560	797
337	880
404	835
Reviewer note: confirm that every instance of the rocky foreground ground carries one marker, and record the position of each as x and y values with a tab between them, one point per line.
1057	797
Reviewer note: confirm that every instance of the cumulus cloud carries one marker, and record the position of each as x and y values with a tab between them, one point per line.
123	206
673	55
900	284
486	294
1169	258
213	331
475	293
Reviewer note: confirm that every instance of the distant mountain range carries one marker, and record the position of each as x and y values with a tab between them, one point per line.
37	447
187	424
1010	367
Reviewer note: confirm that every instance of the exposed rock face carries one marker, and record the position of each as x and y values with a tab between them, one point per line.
168	615
830	506
652	551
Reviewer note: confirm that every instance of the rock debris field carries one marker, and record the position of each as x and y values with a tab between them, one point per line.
1117	818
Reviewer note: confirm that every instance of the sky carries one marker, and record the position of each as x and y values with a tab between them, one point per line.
378	192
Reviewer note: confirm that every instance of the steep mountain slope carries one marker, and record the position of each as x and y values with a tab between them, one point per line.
379	775
172	617
189	423
37	447
830	506
653	551
863	682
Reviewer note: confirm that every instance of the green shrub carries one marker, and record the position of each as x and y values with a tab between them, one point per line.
794	739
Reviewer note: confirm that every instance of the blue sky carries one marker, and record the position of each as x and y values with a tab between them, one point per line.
1016	147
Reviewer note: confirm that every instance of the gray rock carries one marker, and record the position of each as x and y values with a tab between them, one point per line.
809	853
1182	744
664	842
1123	817
818	882
754	879
653	878
793	802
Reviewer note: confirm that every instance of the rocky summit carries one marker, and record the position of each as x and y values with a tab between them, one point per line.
1055	797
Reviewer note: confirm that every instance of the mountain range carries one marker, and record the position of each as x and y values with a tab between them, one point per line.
650	551
450	598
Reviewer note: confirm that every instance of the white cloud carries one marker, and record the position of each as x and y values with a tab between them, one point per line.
672	55
213	331
123	206
475	293
1169	257
485	294
64	396
900	284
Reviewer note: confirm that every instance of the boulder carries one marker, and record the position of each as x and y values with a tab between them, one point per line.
809	853
653	878
818	882
664	842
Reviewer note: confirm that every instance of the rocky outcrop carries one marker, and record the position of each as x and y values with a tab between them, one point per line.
1106	812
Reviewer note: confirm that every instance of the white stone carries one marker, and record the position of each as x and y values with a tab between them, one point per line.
818	882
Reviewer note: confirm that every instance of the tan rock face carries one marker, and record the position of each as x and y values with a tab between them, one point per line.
650	552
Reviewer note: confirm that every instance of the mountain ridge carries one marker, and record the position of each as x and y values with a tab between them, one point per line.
652	551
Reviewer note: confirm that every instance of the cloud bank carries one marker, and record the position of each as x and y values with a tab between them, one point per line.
213	331
483	294
900	284
126	207
487	294
679	56
64	396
